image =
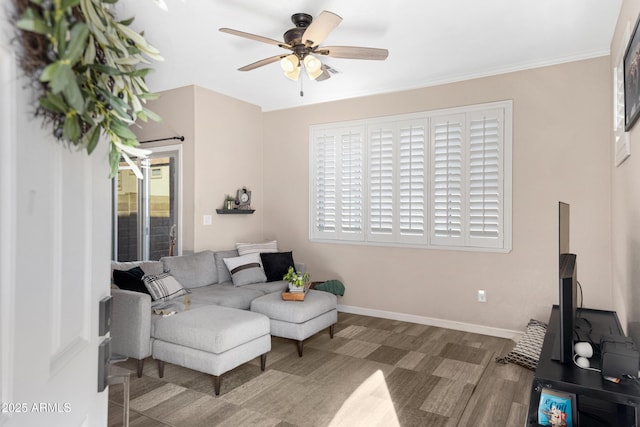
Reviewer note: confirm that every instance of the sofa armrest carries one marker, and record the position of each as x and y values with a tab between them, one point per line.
131	324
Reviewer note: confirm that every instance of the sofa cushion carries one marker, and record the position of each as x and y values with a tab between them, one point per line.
223	271
212	329
224	294
193	270
245	269
269	287
130	280
315	304
163	287
276	264
256	248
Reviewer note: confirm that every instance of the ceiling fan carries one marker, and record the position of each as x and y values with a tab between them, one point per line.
304	43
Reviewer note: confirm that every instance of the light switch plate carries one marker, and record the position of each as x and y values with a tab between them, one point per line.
206	220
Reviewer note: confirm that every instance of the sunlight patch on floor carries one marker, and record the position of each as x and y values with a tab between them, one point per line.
369	405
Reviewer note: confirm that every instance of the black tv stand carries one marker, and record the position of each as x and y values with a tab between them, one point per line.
599	402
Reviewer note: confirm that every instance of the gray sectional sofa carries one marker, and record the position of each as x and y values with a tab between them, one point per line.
209	282
211	311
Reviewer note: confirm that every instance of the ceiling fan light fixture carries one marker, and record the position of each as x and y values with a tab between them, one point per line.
293	74
313	66
313	74
289	63
311	63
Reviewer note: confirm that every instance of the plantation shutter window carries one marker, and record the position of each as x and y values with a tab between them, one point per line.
446	179
351	184
381	183
412	171
325	185
484	179
438	179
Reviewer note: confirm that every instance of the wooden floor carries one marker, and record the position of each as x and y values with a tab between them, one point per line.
375	372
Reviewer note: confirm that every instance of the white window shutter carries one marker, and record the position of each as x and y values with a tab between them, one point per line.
437	179
381	183
351	185
325	185
485	180
447	163
412	164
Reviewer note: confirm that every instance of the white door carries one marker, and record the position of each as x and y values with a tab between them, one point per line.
54	265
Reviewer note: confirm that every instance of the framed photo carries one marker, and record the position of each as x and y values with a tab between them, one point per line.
632	80
243	198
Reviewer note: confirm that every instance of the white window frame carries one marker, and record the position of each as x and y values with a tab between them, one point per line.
386	205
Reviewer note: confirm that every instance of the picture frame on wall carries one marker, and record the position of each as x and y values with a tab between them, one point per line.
632	79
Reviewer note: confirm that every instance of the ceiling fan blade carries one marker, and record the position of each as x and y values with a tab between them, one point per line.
262	62
320	28
325	74
254	37
353	52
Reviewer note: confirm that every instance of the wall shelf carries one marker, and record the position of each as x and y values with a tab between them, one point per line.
234	211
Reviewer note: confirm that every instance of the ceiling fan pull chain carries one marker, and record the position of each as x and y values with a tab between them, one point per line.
301	91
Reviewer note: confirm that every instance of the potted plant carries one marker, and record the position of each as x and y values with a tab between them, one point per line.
297	281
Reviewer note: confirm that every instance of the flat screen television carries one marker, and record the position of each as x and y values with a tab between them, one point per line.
567	290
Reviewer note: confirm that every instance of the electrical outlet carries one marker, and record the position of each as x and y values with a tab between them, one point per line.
482	295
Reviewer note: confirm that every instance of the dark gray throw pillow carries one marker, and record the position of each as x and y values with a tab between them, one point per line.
527	351
276	264
130	280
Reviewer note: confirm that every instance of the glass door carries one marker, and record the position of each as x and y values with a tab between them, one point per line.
146	218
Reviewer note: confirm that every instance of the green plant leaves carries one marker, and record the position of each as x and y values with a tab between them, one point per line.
30	21
78	43
94	74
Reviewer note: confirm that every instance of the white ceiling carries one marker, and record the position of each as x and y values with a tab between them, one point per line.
430	42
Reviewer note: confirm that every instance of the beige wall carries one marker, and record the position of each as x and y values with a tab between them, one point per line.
228	156
561	151
625	196
222	152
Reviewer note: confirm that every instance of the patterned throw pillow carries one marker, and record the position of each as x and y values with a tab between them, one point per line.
256	248
527	351
163	287
246	269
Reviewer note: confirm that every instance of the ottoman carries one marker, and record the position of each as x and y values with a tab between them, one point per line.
298	320
212	340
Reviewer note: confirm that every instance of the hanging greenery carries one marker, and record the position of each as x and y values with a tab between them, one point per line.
88	71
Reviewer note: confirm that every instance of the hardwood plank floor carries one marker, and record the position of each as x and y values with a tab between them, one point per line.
374	372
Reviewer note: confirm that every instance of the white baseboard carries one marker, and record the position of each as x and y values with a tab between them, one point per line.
430	321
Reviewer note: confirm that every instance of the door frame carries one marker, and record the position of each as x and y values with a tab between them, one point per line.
156	151
8	138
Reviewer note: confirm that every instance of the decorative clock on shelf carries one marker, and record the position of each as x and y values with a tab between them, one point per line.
243	198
